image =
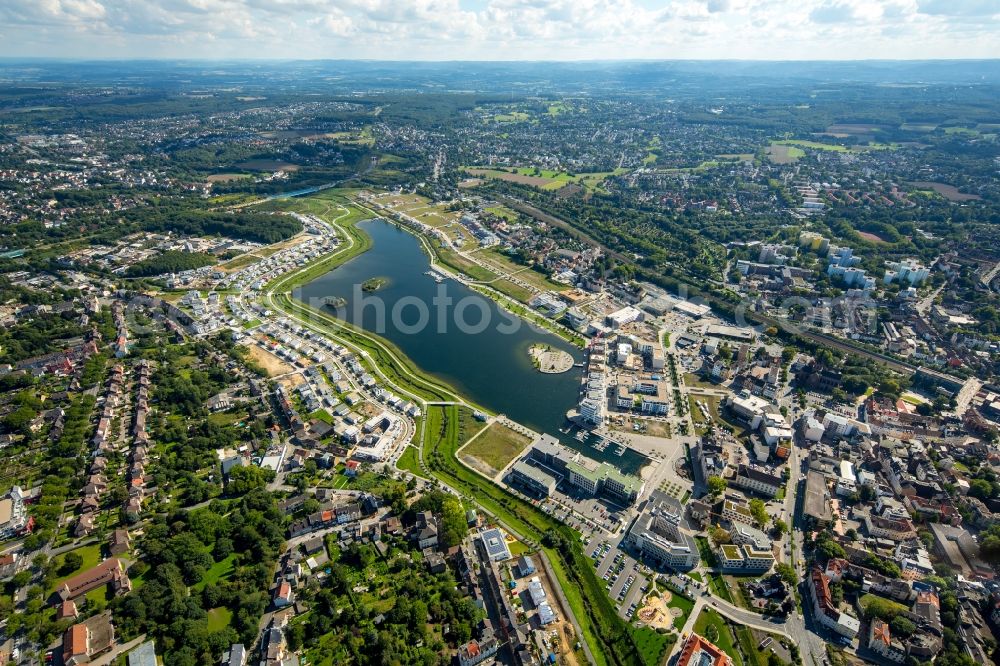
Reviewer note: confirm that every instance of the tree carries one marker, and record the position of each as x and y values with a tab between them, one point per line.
718	535
981	488
902	626
717	485
759	511
787	573
884	609
780	526
71	562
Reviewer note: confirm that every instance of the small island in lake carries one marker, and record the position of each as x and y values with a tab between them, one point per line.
550	361
374	284
335	302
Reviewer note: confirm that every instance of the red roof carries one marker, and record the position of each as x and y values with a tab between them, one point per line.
75	641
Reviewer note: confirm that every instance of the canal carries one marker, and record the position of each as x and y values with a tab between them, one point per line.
453	333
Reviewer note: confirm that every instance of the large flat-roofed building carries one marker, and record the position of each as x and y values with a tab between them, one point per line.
737	513
959	550
745	559
584	473
494	544
732	332
14	519
656	534
533	479
816	505
626	315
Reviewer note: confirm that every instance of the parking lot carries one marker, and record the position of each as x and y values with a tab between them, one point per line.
625	579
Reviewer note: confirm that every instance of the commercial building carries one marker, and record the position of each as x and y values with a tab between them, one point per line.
626	315
584	473
737	513
656	534
745	559
816	506
533	479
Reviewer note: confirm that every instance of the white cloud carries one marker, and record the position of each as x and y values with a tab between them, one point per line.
502	29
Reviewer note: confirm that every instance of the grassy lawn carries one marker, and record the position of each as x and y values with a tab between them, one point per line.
97	597
504	212
504	263
896	607
652	645
219	618
719	587
322	415
459	263
748	644
410	461
497	446
705	551
691	379
225	418
517	548
709	618
697	576
91	555
218	571
685	605
515	291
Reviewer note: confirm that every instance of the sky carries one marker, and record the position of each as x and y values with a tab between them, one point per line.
501	29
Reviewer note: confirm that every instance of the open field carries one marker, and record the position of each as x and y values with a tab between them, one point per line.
410	461
361	137
870	237
91	556
504	212
512	117
527	274
783	154
544	178
225	177
239	262
521	179
949	192
832	147
218	618
496	447
265	359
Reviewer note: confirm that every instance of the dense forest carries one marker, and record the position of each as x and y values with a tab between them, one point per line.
171	261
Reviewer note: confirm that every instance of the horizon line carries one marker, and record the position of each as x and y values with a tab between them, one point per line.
82	60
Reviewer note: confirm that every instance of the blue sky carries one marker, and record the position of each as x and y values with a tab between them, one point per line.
501	29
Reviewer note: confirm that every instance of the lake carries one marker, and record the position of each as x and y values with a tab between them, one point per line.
455	334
